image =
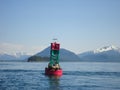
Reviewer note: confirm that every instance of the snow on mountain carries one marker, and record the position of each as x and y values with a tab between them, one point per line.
105	54
14	56
106	48
20	54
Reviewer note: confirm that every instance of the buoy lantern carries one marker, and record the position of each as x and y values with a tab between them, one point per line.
53	65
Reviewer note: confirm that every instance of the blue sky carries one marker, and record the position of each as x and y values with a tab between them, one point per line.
79	25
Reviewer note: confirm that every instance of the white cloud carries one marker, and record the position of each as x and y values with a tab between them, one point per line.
15	48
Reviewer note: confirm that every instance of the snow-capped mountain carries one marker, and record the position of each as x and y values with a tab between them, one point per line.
105	54
14	56
107	48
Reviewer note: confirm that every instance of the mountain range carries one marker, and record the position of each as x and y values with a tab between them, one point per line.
104	54
14	56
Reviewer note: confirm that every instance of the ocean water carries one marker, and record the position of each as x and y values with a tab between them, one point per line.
76	76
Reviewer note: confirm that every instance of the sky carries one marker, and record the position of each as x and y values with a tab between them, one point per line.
79	25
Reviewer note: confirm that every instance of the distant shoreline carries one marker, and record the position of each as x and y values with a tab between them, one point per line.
60	61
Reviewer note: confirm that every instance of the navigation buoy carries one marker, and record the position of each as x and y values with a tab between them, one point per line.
53	65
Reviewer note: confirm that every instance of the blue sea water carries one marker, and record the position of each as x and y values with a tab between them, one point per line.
76	76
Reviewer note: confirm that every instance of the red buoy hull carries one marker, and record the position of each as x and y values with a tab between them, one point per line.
57	72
